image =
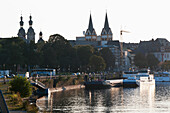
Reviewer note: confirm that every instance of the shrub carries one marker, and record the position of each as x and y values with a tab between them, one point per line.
30	108
21	85
16	98
68	78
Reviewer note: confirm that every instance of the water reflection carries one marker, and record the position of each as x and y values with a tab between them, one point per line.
144	99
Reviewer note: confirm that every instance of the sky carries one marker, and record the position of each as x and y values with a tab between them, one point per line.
144	19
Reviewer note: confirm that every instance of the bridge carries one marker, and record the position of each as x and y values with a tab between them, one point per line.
38	84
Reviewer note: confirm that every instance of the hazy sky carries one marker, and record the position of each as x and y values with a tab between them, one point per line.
145	19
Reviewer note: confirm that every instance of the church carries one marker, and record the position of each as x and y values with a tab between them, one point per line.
30	35
91	36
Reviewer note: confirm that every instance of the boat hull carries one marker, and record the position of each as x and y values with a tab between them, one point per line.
162	79
96	85
129	83
140	83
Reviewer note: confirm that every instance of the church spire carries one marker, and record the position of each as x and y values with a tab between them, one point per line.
40	38
106	24
106	33
40	34
30	21
90	34
21	22
30	33
90	24
21	32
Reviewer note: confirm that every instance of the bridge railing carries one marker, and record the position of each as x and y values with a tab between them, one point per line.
38	83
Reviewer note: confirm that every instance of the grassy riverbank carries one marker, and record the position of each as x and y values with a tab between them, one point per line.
15	102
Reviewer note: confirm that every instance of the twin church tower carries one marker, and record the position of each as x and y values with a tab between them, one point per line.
90	34
30	33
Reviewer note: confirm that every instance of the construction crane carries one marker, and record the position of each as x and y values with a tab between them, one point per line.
121	47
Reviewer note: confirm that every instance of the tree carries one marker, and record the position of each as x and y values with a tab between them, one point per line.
83	54
143	61
97	63
108	57
152	61
12	52
140	60
166	65
21	85
32	54
58	52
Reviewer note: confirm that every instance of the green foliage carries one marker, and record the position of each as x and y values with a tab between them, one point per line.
140	60
84	53
108	57
58	52
152	61
143	61
16	98
166	65
21	85
30	108
12	51
97	63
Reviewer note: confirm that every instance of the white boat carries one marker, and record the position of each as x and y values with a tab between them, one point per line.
148	80
162	76
134	79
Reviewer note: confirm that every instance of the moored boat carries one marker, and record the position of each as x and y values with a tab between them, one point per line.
162	76
135	79
97	84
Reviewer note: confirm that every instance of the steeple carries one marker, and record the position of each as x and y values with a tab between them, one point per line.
40	34
90	34
40	38
106	24
106	33
90	30
30	21
21	32
30	33
21	22
90	24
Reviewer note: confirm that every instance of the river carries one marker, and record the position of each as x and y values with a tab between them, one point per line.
144	99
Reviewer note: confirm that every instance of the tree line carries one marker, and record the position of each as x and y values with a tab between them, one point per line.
17	55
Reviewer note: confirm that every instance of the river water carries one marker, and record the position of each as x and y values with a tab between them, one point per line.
144	99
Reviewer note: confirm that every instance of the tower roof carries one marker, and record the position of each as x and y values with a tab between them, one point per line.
30	21
40	39
21	22
40	34
106	24
90	24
